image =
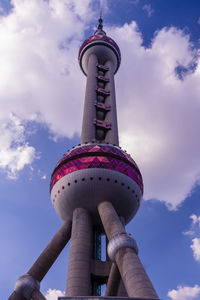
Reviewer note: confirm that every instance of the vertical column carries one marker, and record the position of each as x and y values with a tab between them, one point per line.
136	281
111	117
78	279
113	281
89	114
96	286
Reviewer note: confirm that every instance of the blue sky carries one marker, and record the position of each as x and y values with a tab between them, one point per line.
157	86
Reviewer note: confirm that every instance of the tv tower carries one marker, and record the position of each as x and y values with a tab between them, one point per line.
96	189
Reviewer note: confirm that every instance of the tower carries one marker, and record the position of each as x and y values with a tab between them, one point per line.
96	189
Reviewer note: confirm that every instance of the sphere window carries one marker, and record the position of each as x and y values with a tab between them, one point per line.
63	187
91	178
100	178
68	183
108	179
83	179
75	181
115	181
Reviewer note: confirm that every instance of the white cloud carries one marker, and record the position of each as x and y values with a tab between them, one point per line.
194	227
185	293
196	248
148	9
15	152
195	219
39	73
195	233
158	112
53	294
189	232
38	62
39	43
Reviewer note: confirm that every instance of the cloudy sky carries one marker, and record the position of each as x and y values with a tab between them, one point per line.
158	101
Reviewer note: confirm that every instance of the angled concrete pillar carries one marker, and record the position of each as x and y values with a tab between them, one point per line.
136	281
121	290
113	281
37	295
51	252
28	284
16	296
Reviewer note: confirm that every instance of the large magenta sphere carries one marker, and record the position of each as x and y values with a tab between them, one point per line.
92	173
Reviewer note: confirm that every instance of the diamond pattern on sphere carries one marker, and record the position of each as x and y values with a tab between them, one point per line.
95	149
87	159
70	169
111	164
58	177
102	159
70	162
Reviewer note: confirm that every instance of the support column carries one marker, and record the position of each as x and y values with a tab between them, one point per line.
37	295
78	278
89	114
113	281
51	252
136	281
121	290
27	286
16	296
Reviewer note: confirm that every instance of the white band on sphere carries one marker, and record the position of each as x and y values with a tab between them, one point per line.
122	240
26	285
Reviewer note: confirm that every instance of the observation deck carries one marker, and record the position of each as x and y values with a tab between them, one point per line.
99	38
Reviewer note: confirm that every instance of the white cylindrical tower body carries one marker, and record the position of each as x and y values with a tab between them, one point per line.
99	58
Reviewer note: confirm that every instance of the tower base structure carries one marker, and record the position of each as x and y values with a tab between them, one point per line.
103	298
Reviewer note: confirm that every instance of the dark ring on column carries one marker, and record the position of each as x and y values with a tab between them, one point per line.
122	240
25	285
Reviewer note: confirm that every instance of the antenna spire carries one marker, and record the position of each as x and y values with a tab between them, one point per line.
100	25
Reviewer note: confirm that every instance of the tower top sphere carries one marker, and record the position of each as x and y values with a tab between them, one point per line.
102	46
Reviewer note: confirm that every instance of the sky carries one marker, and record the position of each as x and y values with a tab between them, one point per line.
158	102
